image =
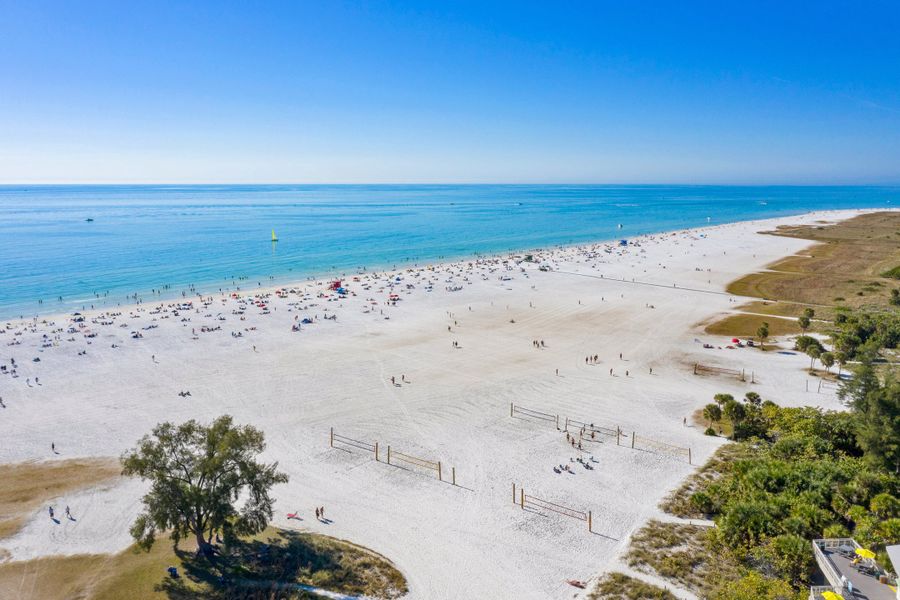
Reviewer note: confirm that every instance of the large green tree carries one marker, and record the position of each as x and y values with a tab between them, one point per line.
197	474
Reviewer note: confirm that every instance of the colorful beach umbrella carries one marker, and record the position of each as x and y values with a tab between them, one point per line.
865	553
832	596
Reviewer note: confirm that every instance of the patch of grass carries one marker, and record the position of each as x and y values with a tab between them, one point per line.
851	261
262	567
617	586
27	486
745	326
723	427
892	273
678	503
682	554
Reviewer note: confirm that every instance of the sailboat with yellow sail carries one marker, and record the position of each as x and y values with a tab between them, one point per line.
274	237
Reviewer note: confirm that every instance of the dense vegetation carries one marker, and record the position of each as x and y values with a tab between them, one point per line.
804	473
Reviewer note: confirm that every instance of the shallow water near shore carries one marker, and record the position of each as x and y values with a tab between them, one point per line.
99	245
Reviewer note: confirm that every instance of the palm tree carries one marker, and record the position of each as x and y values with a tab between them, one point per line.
712	413
813	352
762	333
840	358
827	359
803	322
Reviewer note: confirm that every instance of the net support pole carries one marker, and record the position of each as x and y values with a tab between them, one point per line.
689	457
376	451
453	474
566	428
331	438
510	409
389	454
590	523
618	435
522	498
557	421
439	471
632	439
514	492
695	368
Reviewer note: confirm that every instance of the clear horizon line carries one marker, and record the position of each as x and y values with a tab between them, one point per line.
441	183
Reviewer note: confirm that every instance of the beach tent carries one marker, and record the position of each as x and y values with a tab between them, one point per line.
623	242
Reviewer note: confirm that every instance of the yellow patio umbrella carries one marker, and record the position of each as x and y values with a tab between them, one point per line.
865	553
832	596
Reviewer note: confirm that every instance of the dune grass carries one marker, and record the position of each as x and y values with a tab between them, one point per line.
27	486
745	326
853	264
262	567
617	586
680	553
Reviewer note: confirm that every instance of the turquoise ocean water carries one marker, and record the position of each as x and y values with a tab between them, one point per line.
145	237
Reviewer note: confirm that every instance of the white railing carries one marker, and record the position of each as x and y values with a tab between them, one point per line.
815	592
825	563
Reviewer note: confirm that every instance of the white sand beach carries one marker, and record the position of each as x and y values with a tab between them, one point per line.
459	345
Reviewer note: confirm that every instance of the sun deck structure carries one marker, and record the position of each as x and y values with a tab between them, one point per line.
852	572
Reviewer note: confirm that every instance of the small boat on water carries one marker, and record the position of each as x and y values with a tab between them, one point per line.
89	220
274	237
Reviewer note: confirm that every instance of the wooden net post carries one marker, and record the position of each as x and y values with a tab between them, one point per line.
589	522
689	457
743	378
514	492
389	454
439	471
557	421
331	438
522	498
453	474
566	428
695	368
752	377
376	451
510	409
632	439
618	434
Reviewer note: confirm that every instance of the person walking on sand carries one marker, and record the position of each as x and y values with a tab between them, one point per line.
51	512
317	512
68	514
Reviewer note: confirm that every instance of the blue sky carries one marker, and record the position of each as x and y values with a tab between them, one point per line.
606	92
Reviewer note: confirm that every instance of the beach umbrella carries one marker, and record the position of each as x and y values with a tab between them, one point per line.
832	596
865	553
735	340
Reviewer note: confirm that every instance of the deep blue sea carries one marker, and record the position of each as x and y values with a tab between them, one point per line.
145	237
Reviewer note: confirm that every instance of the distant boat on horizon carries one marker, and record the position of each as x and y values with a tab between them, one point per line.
89	220
274	237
